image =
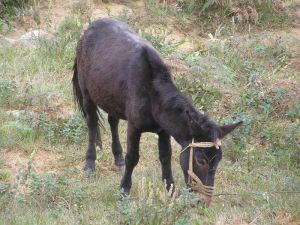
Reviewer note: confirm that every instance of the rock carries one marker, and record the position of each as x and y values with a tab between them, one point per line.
111	10
34	38
99	13
5	42
19	113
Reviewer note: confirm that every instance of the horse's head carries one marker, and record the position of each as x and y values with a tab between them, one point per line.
200	158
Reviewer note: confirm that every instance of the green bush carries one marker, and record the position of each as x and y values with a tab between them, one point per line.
201	94
157	37
9	9
56	192
73	130
284	143
70	28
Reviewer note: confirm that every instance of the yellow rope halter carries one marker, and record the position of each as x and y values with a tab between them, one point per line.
194	181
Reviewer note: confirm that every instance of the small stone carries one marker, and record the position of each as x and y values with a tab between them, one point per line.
34	38
5	42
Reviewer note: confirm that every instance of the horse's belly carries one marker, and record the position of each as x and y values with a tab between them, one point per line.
115	110
114	106
109	94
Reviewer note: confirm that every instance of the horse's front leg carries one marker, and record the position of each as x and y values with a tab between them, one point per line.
165	153
132	157
116	145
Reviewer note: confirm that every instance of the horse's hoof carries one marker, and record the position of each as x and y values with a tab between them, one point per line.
124	193
89	167
119	160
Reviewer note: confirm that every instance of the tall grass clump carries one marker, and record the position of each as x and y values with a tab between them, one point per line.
154	205
265	13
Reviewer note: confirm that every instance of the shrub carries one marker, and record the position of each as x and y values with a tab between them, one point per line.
56	192
201	94
154	205
70	28
71	131
9	9
284	143
7	91
158	38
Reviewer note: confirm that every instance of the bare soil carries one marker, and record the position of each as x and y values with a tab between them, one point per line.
42	161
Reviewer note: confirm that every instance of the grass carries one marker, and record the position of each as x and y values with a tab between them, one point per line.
257	181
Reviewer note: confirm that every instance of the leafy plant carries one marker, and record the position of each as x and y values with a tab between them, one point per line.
7	90
52	191
70	28
9	9
284	143
154	205
158	38
16	133
201	94
72	130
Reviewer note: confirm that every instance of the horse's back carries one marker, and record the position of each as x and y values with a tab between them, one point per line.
111	64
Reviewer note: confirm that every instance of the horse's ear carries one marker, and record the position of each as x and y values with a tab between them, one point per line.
226	129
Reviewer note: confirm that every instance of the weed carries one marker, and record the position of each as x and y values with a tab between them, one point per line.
7	91
125	17
70	28
160	207
294	112
271	17
158	38
201	94
9	9
284	143
72	130
83	9
263	13
158	12
49	128
16	133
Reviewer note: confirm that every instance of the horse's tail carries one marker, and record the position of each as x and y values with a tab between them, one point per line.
78	97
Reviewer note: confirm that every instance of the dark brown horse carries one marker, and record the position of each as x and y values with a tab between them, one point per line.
125	76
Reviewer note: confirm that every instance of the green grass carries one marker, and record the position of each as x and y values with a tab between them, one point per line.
257	181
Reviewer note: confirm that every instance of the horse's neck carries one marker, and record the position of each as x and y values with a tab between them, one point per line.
168	110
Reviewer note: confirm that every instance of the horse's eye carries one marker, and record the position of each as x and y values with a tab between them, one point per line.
201	162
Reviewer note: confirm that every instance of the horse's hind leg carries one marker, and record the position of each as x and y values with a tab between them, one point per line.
92	122
116	146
